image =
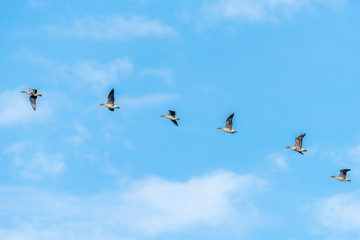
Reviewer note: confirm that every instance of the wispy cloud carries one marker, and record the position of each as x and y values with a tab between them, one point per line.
112	28
56	70
85	73
15	108
99	75
33	162
258	10
148	100
165	74
279	160
39	3
345	157
143	208
80	134
173	206
338	215
93	74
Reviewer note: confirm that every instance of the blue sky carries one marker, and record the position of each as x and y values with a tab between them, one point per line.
74	170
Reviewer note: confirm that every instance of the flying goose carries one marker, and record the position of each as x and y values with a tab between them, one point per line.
298	144
171	116
228	126
342	176
33	95
110	104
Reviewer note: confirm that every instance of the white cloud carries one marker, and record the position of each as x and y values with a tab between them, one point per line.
345	157
129	145
258	10
100	76
86	73
39	4
112	28
279	160
340	211
144	208
33	162
15	108
338	215
170	206
56	70
148	100
81	133
166	74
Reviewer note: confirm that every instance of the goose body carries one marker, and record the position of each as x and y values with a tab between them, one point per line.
111	101
33	94
298	144
171	116
228	126
342	176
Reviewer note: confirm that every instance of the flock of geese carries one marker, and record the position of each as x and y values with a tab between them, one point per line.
33	94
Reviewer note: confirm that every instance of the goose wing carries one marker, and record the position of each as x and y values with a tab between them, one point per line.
111	98
33	101
175	122
298	141
172	113
343	172
229	121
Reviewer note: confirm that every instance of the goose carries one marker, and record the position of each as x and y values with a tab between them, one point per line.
228	126
33	95
110	104
298	144
172	117
342	176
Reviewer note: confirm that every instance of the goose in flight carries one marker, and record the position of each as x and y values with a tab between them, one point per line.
342	176
298	144
33	95
110	104
228	126
172	117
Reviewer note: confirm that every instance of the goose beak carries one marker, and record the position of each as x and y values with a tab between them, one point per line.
39	94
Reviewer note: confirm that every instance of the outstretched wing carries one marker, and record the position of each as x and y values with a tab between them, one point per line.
229	121
343	172
172	113
111	98
33	101
298	141
175	122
